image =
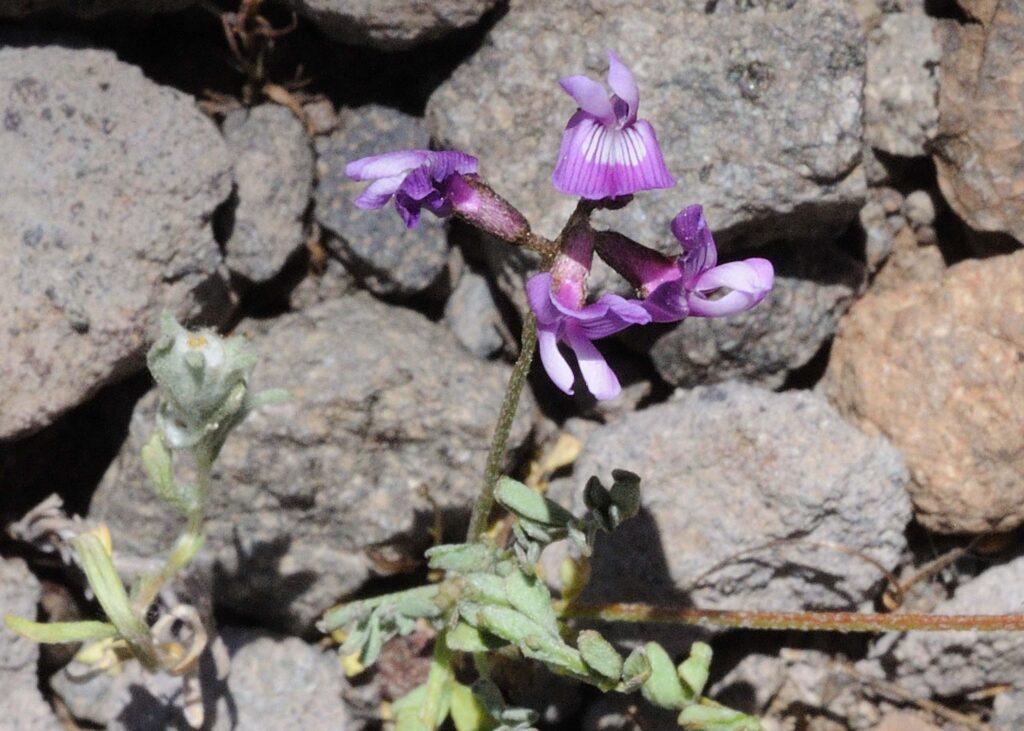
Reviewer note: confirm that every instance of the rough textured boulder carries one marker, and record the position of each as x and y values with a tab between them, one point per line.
900	95
107	188
758	114
388	420
388	258
274	179
812	291
473	316
22	708
728	469
274	682
978	152
936	367
391	24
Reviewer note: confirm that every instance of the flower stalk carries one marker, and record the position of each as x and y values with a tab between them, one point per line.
499	442
800	621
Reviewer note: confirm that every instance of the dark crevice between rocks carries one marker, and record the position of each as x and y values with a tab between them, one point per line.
807	376
70	456
187	50
955	238
223	220
949	10
403	79
996	549
810	221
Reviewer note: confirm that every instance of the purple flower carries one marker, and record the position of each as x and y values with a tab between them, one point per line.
693	284
416	178
606	151
562	316
700	286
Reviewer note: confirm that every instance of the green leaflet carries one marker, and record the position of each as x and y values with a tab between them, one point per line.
468	713
599	654
663	688
531	505
716	718
532	639
532	598
461	557
467	638
695	669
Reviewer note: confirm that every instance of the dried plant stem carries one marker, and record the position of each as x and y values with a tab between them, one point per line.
802	621
496	455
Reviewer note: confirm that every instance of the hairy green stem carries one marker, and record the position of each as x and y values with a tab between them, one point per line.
496	455
188	543
801	621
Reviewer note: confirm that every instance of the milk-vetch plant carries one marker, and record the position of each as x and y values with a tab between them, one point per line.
489	598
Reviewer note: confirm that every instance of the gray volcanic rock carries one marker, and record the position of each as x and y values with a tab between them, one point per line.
729	469
978	154
107	188
22	708
391	24
812	291
274	175
375	246
758	114
952	663
311	495
89	8
901	113
473	316
274	683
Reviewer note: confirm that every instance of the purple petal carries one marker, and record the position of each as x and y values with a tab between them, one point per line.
618	314
621	80
597	162
554	362
749	282
386	165
418	184
667	303
699	251
379	192
449	162
408	210
599	377
538	295
590	96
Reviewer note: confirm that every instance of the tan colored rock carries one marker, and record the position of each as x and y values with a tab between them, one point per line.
938	367
979	151
909	262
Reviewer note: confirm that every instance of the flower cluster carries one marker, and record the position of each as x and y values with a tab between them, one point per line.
607	154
